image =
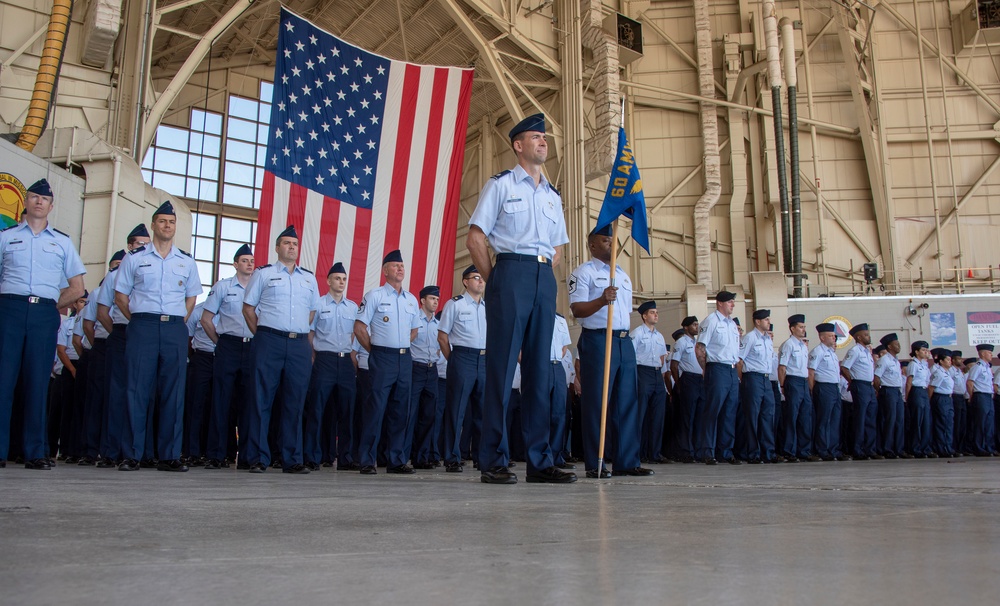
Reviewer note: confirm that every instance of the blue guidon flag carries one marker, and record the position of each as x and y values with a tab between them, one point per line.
624	195
364	156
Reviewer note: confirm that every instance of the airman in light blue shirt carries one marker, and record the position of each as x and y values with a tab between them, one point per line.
157	284
225	307
284	300
391	316
333	326
824	363
463	319
39	264
756	352
721	338
199	339
589	281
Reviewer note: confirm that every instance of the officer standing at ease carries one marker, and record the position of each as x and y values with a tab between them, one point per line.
650	352
35	261
155	290
718	351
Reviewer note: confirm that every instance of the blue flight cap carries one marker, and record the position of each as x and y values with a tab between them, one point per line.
796	319
535	122
725	295
762	314
826	327
118	256
956	353
604	231
336	268
86	294
984	347
889	338
678	334
688	321
648	305
879	349
42	188
289	232
241	251
469	271
393	257
430	290
139	231
858	328
165	209
918	345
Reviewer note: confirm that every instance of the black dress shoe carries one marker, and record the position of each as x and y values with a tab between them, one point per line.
453	467
791	459
828	458
86	462
175	465
106	464
3	463
902	455
368	470
298	468
592	473
890	455
400	469
634	471
755	461
225	464
878	457
275	464
734	461
498	475
845	457
71	460
129	465
327	463
814	458
40	464
932	455
243	466
565	466
423	465
310	466
212	464
551	475
777	459
709	461
258	468
348	467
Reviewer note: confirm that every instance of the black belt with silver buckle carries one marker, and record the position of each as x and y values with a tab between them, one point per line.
282	333
393	350
554	362
333	354
618	334
235	338
424	364
725	364
470	350
157	317
520	257
30	299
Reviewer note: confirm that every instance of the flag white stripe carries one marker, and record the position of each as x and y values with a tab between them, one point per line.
383	179
344	247
443	169
279	216
309	238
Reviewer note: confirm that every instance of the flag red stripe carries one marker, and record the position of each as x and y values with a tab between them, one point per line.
297	211
429	176
264	219
401	163
446	263
327	240
359	256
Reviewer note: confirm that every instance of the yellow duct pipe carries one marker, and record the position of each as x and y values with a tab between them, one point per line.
48	73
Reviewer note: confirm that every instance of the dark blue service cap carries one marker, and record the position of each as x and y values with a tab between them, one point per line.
919	345
165	209
289	232
688	321
469	271
761	314
139	231
879	349
648	305
826	327
41	187
858	328
86	294
937	352
678	334
724	296
889	338
969	361
430	290
984	347
535	122
956	353
796	319
393	257
337	268
241	251
604	231
118	256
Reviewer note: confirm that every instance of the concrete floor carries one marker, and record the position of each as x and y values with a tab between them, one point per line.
875	532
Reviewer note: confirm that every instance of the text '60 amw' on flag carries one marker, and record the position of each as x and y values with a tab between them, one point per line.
364	156
624	195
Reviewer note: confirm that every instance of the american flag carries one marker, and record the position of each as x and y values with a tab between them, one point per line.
364	156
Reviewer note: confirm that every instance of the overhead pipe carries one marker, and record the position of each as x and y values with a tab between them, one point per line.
774	79
710	138
48	75
791	82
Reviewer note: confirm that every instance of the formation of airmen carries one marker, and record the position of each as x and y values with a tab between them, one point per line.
266	373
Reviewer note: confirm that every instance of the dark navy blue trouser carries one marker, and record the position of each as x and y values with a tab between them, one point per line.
391	377
364	383
978	435
198	404
27	348
891	413
691	398
797	418
623	413
437	454
93	406
560	420
865	414
332	392
716	420
919	411
465	392
117	431
826	402
652	398
755	420
943	422
278	360
961	420
156	352
520	316
232	386
423	404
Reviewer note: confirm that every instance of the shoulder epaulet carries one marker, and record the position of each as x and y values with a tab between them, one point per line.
184	252
553	188
500	174
60	232
263	266
137	250
10	227
305	270
457	298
